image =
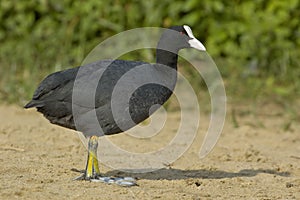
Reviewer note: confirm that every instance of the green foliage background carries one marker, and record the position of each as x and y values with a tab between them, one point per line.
254	42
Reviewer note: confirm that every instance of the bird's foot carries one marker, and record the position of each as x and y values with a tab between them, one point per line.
121	181
92	172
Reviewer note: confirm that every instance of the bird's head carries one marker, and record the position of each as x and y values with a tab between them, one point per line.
179	37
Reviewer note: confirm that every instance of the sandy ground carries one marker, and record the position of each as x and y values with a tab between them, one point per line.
259	159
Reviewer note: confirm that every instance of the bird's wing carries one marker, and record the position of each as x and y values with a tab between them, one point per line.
59	86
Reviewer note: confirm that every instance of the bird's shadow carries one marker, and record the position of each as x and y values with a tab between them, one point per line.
178	174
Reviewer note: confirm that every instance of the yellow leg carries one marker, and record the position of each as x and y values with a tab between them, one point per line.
92	171
92	167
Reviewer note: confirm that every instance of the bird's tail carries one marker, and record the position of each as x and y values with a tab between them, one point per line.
34	103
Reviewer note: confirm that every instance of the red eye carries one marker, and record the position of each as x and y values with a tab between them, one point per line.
182	33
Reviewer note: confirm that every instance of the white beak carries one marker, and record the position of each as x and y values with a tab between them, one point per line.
194	43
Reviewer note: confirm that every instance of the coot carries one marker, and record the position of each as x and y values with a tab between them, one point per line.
55	98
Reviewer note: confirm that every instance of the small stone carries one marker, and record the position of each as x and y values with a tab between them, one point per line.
197	183
289	185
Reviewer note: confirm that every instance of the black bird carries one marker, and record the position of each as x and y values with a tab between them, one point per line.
65	98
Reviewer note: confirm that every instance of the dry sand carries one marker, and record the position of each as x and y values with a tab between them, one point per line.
259	159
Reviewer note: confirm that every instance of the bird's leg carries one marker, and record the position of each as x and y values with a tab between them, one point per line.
92	172
92	167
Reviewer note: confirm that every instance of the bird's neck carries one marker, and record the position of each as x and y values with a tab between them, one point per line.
167	58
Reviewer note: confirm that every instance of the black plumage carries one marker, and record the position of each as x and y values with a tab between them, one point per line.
53	97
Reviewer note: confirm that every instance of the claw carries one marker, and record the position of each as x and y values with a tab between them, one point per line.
79	178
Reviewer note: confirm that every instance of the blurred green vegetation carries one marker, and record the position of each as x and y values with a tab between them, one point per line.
255	43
